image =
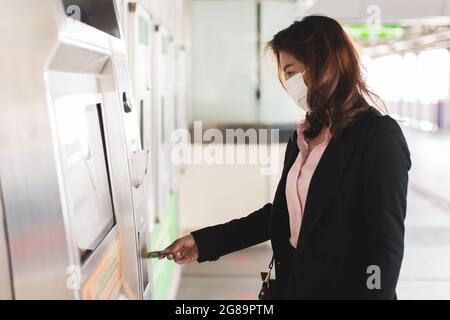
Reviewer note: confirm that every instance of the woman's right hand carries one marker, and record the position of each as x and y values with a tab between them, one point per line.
183	250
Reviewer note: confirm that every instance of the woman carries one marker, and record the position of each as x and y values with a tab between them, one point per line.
337	220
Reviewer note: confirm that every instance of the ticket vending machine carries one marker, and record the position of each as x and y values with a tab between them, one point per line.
138	161
180	107
140	29
73	168
172	106
140	39
163	100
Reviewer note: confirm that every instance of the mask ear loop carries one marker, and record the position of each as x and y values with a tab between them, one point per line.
303	76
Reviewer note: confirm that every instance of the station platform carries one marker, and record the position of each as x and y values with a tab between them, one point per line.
425	272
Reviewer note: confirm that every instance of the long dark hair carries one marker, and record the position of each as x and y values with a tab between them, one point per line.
337	91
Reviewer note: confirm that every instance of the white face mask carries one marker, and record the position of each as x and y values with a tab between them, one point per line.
297	89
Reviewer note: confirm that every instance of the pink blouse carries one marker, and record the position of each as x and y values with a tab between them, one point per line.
299	178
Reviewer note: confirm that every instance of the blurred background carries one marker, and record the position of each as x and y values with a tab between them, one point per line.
404	47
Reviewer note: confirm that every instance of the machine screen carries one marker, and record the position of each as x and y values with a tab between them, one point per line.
87	174
100	14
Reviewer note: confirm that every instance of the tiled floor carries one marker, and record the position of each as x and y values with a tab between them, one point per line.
426	266
425	271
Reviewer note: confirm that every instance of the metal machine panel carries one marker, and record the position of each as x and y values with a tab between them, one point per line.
31	196
140	44
139	58
137	157
67	150
5	277
121	183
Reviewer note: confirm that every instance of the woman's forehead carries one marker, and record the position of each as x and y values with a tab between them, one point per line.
287	60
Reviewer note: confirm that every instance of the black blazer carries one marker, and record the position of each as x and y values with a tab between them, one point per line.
353	219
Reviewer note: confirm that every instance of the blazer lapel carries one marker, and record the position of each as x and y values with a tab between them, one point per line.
280	195
325	179
292	156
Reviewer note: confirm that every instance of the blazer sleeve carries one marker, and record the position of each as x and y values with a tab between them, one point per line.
385	181
216	241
